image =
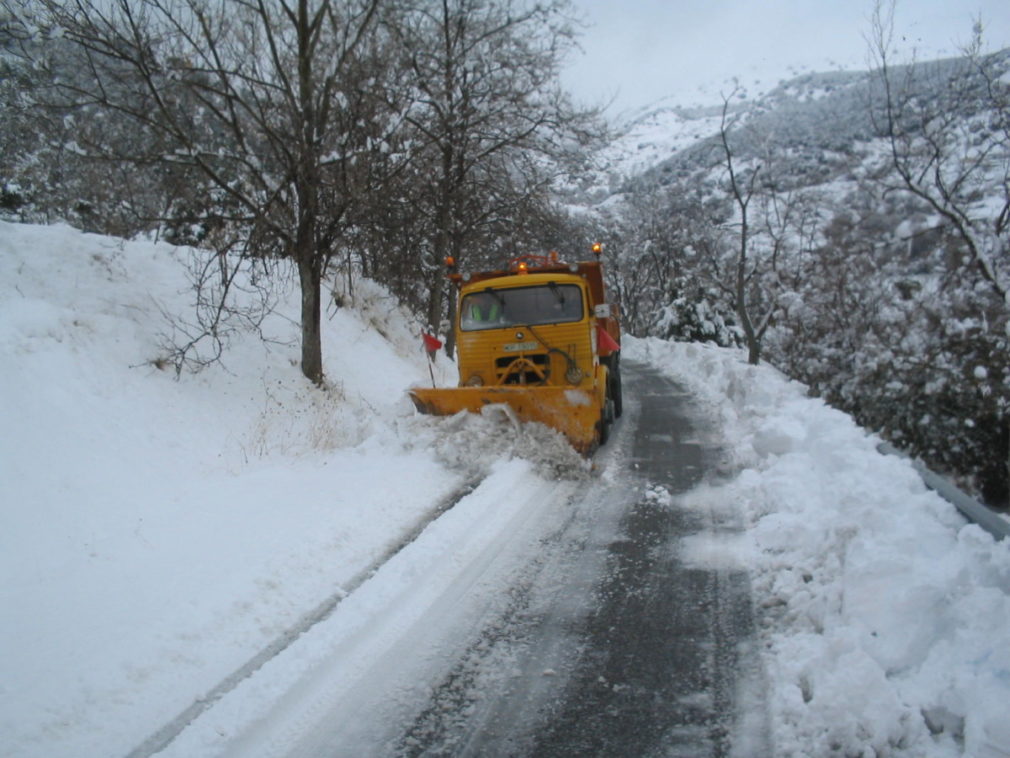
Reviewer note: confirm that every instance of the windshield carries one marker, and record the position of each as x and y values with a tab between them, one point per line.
544	304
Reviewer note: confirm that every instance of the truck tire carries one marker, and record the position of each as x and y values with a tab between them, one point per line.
615	390
606	420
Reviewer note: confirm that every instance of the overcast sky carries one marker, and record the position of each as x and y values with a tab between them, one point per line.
640	51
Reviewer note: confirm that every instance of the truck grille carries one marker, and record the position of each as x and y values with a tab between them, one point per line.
523	369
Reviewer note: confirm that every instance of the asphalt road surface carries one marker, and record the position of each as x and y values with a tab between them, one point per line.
614	642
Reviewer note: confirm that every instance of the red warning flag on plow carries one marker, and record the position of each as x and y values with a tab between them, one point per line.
605	341
431	344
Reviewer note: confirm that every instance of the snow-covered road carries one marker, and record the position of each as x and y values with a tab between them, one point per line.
619	644
532	618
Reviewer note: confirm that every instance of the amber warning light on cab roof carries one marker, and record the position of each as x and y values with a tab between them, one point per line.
522	267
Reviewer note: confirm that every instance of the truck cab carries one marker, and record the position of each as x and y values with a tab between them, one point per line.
533	330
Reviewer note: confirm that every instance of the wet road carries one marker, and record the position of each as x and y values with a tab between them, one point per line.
615	643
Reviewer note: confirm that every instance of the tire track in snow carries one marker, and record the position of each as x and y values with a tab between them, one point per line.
160	739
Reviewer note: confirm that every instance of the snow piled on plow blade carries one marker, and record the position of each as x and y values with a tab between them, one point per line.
570	411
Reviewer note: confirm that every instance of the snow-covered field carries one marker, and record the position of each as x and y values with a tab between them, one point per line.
158	534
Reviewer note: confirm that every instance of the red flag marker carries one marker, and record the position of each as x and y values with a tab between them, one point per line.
606	342
431	344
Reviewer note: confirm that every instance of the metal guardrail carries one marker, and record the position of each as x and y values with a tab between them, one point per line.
970	508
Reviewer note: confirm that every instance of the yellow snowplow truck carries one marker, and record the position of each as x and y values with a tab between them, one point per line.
540	337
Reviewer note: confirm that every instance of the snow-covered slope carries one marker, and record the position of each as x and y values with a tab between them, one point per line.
654	135
820	118
160	533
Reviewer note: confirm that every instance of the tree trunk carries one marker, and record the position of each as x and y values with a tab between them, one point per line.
442	220
435	303
450	337
453	297
753	343
306	180
310	278
750	336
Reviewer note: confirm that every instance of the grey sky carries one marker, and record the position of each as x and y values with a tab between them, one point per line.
640	51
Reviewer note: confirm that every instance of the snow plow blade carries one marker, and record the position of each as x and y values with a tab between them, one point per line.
571	411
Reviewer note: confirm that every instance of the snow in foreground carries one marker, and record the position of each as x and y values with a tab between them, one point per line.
158	534
886	619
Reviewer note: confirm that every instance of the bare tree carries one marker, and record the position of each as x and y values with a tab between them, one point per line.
754	307
199	338
254	97
947	127
742	188
771	227
484	74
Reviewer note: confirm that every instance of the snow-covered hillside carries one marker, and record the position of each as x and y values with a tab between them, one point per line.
822	118
160	534
157	532
654	135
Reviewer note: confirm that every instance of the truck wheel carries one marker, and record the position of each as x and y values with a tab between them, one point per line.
615	391
606	419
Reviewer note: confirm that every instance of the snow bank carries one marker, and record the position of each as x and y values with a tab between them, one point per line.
159	533
885	618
